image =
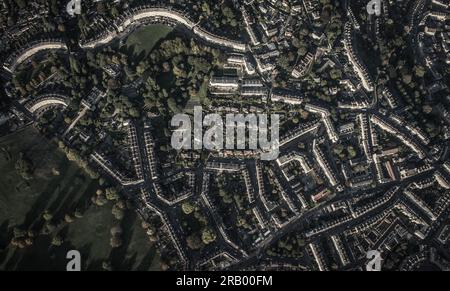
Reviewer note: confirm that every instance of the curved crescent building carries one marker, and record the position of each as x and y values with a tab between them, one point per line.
46	101
140	15
357	64
16	59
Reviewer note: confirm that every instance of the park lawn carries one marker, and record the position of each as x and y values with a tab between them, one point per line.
137	252
61	187
21	201
145	38
91	235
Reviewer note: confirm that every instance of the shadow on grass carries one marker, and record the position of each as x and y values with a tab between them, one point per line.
78	197
42	256
4	235
118	255
67	199
147	261
40	205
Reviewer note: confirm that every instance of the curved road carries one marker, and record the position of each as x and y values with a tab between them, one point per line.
140	15
134	17
13	61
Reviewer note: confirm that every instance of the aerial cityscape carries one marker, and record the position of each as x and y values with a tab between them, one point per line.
225	135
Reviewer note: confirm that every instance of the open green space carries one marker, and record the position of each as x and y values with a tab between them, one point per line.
145	38
59	186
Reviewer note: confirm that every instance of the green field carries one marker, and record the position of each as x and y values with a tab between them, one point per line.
144	39
59	186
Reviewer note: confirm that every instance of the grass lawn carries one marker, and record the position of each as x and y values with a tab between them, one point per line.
144	39
59	186
22	201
